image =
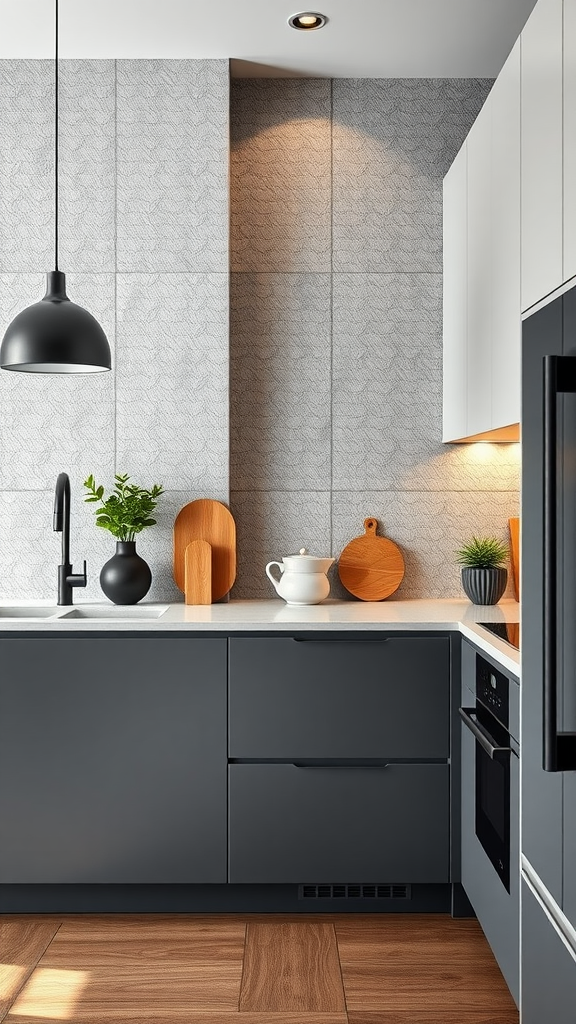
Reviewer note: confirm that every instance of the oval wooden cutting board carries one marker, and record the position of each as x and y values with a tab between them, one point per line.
371	567
206	519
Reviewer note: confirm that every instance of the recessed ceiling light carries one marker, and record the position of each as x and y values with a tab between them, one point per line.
307	21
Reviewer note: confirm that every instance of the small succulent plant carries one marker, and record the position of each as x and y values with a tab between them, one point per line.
482	553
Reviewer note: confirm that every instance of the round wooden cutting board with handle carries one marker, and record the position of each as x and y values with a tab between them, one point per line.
209	520
371	567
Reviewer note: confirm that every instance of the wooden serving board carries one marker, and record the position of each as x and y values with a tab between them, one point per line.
514	525
198	572
371	567
211	521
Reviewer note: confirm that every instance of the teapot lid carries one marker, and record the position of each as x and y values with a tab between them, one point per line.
304	562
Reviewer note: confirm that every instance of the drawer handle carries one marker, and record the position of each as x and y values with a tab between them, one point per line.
341	640
330	764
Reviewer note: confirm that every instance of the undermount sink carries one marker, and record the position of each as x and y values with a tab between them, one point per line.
26	612
115	613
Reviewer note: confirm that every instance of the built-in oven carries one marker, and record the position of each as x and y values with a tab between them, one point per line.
490	802
488	721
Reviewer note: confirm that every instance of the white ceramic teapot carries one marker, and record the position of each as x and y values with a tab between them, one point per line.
303	578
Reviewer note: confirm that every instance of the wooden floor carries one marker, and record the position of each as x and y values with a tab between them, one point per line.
385	969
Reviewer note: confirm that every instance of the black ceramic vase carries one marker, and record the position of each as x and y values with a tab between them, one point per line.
125	578
484	586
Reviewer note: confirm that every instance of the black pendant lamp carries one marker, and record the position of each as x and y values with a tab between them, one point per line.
55	335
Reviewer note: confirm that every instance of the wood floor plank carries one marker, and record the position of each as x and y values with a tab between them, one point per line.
203	1017
144	968
293	967
103	941
405	967
129	991
23	940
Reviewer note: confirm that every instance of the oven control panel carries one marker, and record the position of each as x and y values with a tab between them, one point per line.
492	688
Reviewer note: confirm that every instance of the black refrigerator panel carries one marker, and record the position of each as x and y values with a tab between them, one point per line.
542	792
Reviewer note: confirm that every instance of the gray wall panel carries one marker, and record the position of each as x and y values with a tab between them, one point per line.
337	201
144	241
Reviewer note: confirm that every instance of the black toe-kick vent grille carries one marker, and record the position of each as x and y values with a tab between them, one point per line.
355	892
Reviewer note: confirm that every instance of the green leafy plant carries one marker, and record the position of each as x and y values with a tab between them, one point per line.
482	553
125	512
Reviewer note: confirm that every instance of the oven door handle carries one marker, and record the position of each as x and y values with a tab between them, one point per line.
486	741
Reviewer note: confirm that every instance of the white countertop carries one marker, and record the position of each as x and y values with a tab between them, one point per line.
275	616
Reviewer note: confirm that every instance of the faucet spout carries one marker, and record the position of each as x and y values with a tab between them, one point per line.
62	514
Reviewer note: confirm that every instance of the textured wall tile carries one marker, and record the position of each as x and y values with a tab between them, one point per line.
387	376
281	175
467	467
52	423
29	549
280	381
272	524
26	165
172	380
172	186
428	527
87	165
393	141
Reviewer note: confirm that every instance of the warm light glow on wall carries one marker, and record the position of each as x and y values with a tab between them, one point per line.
483	452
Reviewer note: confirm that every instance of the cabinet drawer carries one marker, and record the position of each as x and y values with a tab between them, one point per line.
339	825
339	698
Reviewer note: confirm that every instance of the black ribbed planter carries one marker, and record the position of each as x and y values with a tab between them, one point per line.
484	586
125	578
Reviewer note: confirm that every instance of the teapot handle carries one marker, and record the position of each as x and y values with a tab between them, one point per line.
271	577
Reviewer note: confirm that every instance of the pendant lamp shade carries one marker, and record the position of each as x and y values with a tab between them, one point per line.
55	336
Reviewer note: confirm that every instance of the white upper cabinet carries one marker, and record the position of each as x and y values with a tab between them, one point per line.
569	139
541	158
505	254
455	299
482	326
479	250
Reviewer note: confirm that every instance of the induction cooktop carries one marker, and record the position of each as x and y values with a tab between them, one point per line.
508	631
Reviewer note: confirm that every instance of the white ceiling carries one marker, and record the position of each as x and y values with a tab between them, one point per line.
363	39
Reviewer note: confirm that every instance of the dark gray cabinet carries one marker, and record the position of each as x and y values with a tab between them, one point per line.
324	709
113	760
339	824
340	698
548	967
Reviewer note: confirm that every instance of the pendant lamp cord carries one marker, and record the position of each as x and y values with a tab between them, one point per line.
56	141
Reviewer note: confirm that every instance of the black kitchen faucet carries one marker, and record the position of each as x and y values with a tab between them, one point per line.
67	580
